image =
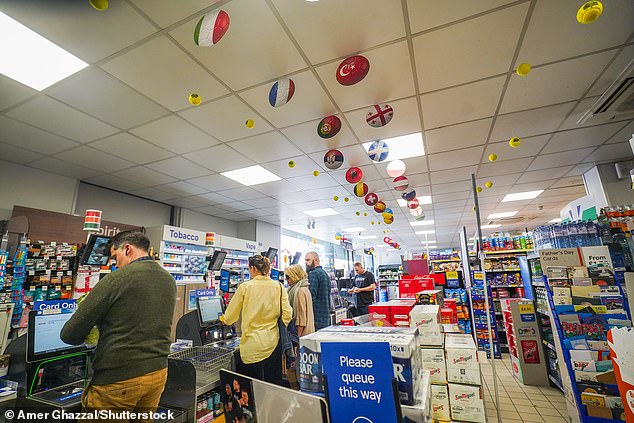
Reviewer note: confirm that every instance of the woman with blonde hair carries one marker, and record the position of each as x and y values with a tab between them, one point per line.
300	299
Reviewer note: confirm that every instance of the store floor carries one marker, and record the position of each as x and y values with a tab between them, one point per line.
521	403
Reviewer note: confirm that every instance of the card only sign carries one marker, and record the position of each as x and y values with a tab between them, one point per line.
359	379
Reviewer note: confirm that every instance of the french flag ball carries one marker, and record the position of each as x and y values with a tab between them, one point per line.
211	28
281	92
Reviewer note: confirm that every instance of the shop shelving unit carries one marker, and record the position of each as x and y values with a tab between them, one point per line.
480	315
389	275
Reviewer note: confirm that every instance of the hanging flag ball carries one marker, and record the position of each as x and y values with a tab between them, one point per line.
336	198
400	183
388	210
333	159
413	203
395	168
523	69
515	142
338	236
352	70
249	123
409	195
328	127
371	199
387	239
354	175
194	99
360	189
479	189
100	5
315	173
387	214
488	184
388	220
281	92
291	164
379	207
493	157
378	151
211	28
589	12
418	211
379	115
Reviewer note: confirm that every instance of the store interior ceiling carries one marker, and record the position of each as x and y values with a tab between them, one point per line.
446	68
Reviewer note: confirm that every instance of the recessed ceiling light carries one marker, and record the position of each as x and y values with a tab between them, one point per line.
403	147
429	231
355	229
422	223
31	59
555	220
490	226
423	199
501	215
321	212
428	242
368	237
528	195
252	175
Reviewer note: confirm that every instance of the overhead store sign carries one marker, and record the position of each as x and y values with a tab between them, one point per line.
184	236
231	243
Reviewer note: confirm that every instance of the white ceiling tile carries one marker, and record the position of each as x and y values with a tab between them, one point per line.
179	168
568	181
225	119
277	189
81	30
425	14
613	71
624	135
164	73
390	77
303	166
234	206
309	102
557	159
306	138
417	180
441	199
60	167
264	50
241	194
307	21
617	152
504	167
192	202
452	175
114	182
542	175
580	169
309	182
451	187
102	96
460	158
215	182
53	116
266	147
529	122
94	159
457	136
406	120
168	12
219	158
468	102
17	155
214	198
152	194
528	148
262	202
552	83
181	189
563	192
145	176
553	32
579	138
486	43
13	92
22	135
174	134
132	148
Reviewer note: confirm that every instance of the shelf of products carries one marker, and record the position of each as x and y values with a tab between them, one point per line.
507	243
387	281
185	262
481	314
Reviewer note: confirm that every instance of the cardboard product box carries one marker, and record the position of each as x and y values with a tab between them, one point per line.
405	359
462	359
440	403
430	296
399	311
466	403
427	319
379	311
433	360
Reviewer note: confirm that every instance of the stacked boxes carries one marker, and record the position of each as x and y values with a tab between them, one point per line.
440	403
394	312
463	374
430	296
427	319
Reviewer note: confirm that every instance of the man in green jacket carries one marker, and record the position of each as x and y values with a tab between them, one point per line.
132	308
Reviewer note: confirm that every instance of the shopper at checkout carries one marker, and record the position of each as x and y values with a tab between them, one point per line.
260	301
132	309
319	289
364	285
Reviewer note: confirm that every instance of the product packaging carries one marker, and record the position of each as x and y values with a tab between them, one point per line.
466	403
427	319
462	360
440	403
431	296
433	360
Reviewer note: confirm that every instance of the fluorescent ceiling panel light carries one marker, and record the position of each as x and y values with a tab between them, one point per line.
425	199
528	195
490	226
368	237
355	229
422	223
555	220
428	242
252	175
321	212
429	231
403	147
31	59
501	215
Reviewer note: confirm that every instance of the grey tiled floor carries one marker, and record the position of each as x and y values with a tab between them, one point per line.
520	403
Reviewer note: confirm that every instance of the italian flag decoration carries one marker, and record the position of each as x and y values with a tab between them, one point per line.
92	220
211	28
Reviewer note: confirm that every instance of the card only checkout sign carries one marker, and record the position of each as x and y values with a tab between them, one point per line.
360	382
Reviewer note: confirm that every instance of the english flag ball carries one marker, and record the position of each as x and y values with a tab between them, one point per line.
417	212
379	115
378	151
281	92
329	127
413	203
360	189
333	159
408	195
379	207
352	70
354	175
400	183
211	28
371	199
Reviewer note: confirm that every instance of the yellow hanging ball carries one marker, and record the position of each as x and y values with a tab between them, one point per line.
291	164
589	12
358	213
523	69
315	173
335	198
346	199
515	142
493	157
474	208
479	189
249	123
99	4
365	214
488	184
194	99
372	223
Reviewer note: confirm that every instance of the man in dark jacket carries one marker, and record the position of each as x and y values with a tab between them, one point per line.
319	289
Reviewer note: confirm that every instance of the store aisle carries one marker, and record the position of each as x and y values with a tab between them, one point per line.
520	403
